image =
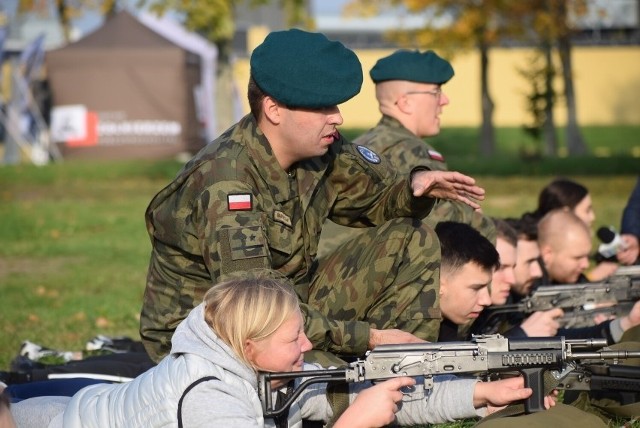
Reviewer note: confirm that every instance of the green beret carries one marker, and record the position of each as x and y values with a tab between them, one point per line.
302	69
415	66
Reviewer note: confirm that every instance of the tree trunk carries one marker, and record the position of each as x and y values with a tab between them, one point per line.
487	132
63	16
549	125
575	142
225	93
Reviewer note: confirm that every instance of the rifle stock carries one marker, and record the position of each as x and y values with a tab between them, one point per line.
483	355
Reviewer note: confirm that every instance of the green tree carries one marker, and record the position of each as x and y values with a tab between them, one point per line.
215	20
551	27
480	24
66	10
453	26
539	72
560	11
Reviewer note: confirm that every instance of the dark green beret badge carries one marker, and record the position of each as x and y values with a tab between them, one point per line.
414	66
303	69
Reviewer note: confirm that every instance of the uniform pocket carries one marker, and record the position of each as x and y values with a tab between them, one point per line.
280	237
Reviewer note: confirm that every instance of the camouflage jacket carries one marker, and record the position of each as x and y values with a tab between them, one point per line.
402	147
404	150
232	209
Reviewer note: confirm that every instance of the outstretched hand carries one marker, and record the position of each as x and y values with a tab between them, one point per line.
447	185
376	406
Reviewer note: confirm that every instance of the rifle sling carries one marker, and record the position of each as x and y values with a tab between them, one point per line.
338	397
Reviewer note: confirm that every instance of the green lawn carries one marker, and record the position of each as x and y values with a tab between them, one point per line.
74	247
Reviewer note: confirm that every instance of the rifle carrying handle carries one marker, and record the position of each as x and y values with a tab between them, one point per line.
534	379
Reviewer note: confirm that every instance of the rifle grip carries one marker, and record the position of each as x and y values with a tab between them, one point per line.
534	379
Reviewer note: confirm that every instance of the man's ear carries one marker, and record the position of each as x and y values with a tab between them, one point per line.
443	285
404	104
272	110
546	253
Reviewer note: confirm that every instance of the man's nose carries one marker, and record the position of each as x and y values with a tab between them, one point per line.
336	119
535	270
484	299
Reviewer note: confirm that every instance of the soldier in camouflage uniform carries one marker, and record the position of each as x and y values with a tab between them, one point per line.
410	98
257	198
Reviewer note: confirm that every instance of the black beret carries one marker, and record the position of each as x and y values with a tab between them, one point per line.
302	69
415	66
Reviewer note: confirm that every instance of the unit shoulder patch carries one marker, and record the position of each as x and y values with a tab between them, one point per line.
368	154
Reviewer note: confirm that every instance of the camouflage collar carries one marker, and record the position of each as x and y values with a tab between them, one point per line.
306	174
392	122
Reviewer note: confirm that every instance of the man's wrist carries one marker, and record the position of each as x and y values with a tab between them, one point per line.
374	338
416	170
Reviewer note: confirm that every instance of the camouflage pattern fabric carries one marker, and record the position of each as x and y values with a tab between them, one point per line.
388	275
232	209
405	151
561	415
402	147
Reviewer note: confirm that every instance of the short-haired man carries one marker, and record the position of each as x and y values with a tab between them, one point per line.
527	269
466	268
545	323
504	277
565	244
258	196
409	91
411	98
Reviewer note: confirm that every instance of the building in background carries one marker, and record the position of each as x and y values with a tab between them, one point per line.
606	59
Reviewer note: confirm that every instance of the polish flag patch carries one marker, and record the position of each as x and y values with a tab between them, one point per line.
240	202
435	155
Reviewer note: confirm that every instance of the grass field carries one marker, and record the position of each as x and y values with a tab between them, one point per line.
74	247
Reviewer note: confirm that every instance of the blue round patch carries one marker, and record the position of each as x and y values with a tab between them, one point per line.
368	154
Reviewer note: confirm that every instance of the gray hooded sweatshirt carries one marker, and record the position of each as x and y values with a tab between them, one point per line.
202	383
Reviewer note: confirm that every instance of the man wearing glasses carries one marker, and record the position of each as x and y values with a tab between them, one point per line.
411	98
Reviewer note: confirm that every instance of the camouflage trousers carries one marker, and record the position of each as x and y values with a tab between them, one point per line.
446	210
388	276
561	415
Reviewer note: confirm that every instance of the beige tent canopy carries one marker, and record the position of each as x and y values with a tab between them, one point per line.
125	91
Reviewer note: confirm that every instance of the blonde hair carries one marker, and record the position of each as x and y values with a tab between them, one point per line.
249	308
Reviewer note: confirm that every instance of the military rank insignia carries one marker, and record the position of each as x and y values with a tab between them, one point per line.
435	155
240	202
368	154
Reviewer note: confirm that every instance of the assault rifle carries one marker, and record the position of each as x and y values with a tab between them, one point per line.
614	296
482	356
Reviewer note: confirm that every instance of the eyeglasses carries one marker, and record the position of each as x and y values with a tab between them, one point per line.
435	92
